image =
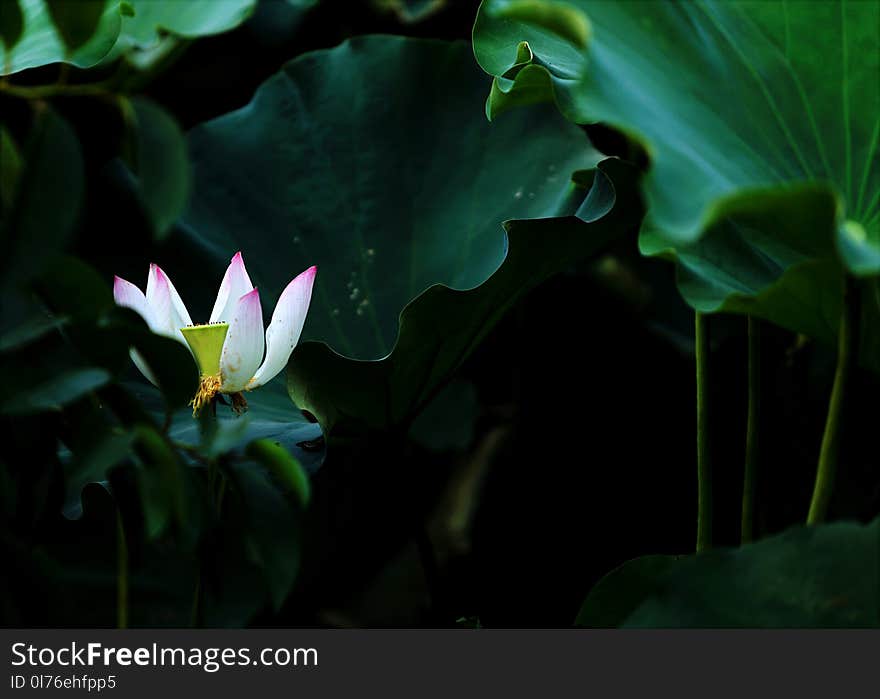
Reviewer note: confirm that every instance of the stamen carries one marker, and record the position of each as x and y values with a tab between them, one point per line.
209	387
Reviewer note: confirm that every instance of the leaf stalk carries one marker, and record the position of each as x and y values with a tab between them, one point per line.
829	452
752	432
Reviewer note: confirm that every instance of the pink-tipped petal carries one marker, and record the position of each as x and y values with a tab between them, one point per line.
166	305
128	295
236	283
286	326
243	348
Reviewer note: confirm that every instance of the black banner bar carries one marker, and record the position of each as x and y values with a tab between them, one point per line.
438	663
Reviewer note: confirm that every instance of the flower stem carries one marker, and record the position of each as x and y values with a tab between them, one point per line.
829	452
752	432
704	465
121	575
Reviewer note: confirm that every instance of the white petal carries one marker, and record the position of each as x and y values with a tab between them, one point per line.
236	283
286	326
142	365
166	305
128	295
243	348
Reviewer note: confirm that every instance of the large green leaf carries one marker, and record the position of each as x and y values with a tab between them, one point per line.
441	326
270	417
161	483
11	25
76	22
144	30
288	473
250	552
356	160
184	18
46	200
765	257
620	592
56	391
156	26
825	576
41	42
158	159
73	577
264	453
738	104
256	556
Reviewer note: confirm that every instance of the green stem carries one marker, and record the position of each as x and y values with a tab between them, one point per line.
752	432
829	452
704	465
121	575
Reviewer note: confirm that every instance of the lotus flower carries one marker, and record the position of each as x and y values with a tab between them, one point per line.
229	347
